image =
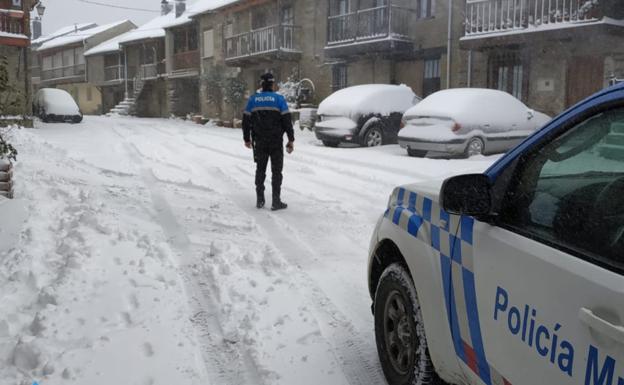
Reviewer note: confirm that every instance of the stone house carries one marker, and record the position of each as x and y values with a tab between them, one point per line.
242	39
63	63
14	43
550	54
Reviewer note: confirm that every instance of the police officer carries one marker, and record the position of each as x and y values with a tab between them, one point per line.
265	121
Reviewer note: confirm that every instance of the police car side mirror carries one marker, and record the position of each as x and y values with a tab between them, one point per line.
467	195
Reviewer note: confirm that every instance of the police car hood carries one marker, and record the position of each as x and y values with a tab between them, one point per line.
429	188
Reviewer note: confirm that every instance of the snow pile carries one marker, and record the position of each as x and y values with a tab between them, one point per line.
56	101
368	99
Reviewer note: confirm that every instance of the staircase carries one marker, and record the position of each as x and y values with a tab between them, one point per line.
613	147
128	105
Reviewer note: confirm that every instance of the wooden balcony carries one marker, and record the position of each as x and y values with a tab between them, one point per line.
269	43
379	29
114	74
12	31
186	64
506	20
64	74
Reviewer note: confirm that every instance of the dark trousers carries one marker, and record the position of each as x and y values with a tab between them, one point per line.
262	155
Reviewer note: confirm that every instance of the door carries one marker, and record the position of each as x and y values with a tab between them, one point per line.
585	77
544	288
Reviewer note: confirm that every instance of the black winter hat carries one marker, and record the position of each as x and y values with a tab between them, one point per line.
268	78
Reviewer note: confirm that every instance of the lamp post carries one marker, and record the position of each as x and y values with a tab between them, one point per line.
37	29
40	9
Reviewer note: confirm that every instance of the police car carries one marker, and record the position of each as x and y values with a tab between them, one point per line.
514	276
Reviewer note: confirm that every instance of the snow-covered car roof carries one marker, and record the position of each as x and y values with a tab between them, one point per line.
469	105
370	98
57	101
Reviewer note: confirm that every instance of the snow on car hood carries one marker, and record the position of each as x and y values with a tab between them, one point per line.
337	123
475	106
368	99
57	102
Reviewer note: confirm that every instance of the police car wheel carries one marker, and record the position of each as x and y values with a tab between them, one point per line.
399	330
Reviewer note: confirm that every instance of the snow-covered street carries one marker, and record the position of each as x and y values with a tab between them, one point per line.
141	258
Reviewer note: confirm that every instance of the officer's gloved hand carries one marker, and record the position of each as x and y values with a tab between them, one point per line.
248	144
290	147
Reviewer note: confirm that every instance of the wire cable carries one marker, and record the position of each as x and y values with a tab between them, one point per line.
119	6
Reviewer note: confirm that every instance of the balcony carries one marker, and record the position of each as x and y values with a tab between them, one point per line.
12	30
379	29
269	43
64	74
505	18
150	71
186	64
114	73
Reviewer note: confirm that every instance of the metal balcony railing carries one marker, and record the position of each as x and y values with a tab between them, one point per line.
64	72
262	41
151	70
368	24
113	73
11	24
494	16
186	60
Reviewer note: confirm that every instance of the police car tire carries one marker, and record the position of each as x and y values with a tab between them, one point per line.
395	280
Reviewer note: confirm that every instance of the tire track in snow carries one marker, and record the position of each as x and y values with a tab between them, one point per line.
357	359
221	358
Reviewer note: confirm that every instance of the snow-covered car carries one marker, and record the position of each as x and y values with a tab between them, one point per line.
513	276
56	105
368	115
468	121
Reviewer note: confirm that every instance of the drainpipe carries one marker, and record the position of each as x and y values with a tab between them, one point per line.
448	43
125	49
469	82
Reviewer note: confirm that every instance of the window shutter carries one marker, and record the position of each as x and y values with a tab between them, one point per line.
209	43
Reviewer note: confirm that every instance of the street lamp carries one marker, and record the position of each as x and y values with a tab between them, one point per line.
40	9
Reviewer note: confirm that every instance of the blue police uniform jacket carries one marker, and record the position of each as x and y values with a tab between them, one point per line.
266	119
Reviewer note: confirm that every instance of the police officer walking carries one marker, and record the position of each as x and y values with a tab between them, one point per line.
265	121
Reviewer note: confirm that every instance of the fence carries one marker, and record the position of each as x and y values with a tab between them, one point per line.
6	179
260	41
371	23
489	16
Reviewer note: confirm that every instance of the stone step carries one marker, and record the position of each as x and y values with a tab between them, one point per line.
611	151
615	139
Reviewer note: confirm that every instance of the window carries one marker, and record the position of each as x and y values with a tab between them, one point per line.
507	73
570	193
425	9
17	3
288	15
209	43
339	77
431	82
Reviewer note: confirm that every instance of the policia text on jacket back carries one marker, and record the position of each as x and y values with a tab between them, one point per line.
265	121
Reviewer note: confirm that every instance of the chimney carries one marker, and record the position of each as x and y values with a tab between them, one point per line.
36	28
180	7
165	7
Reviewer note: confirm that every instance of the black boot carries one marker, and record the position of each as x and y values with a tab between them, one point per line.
260	202
278	205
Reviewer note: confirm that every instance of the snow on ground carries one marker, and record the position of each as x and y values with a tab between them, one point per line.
141	259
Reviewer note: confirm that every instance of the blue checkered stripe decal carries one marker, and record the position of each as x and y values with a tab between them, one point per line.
450	237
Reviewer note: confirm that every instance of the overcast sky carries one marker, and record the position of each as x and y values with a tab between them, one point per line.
60	13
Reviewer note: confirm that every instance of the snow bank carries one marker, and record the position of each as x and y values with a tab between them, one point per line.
366	99
57	101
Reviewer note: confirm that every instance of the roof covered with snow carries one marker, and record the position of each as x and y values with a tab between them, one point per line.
63	31
78	36
370	98
203	6
153	29
108	46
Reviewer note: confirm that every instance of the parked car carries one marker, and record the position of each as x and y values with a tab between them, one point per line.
368	115
56	105
520	264
468	121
